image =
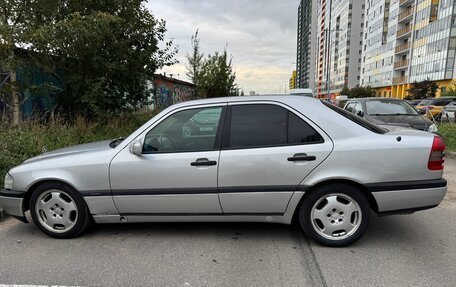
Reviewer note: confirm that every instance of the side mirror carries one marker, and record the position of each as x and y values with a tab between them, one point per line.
360	113
136	148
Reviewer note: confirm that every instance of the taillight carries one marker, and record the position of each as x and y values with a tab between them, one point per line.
436	158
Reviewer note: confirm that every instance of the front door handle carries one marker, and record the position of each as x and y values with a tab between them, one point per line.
203	162
302	157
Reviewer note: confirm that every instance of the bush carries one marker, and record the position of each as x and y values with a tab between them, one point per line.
448	131
32	138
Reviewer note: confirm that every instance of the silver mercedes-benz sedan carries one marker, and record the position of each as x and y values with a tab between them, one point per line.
258	159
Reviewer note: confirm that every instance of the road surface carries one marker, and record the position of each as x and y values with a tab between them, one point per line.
406	250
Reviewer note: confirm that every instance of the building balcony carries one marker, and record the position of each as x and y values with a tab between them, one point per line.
401	64
399	80
404	31
405	2
405	14
402	48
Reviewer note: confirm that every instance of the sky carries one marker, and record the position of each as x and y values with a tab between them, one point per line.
260	36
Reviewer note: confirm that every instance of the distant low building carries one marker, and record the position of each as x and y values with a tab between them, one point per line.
169	91
252	93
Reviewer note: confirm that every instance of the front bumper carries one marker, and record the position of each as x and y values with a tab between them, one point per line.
409	196
12	203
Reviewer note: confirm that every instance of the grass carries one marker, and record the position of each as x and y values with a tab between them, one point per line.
448	131
32	138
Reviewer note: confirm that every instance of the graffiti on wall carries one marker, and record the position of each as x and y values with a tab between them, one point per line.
182	93
168	93
164	96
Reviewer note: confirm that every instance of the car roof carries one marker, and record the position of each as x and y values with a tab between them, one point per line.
375	99
440	98
276	97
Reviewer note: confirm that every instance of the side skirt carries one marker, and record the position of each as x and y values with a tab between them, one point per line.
284	218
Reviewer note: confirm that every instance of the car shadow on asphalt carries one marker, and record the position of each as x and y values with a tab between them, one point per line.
382	230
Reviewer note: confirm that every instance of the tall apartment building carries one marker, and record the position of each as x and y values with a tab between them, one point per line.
292	81
339	45
407	41
305	58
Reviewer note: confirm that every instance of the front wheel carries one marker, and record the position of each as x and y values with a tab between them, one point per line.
335	215
59	210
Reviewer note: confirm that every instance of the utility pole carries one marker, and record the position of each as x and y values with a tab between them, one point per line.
327	32
328	71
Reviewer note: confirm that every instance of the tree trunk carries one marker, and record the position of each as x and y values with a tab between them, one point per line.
16	112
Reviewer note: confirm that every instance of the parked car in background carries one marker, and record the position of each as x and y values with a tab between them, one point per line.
389	112
259	159
432	108
449	112
302	92
414	103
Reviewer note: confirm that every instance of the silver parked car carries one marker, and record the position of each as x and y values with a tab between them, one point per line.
257	159
449	112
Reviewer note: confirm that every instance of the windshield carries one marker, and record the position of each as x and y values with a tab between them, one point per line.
425	103
354	118
383	108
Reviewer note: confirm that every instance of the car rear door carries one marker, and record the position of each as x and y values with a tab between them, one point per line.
267	151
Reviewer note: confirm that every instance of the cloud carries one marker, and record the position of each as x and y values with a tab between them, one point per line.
260	36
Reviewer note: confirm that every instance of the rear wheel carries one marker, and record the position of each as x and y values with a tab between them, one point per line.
59	210
335	215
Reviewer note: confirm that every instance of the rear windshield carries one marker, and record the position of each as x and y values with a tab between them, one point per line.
389	107
356	119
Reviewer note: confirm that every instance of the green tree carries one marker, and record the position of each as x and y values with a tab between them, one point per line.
358	92
217	78
451	90
17	17
195	60
345	91
106	52
422	90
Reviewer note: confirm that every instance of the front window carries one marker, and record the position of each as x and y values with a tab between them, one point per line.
185	131
383	108
425	103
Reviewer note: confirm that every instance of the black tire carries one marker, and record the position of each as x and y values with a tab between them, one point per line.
313	230
82	220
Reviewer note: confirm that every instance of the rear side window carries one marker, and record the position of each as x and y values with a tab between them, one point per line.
354	118
266	125
299	132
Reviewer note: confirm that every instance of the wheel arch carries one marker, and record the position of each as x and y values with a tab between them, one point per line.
364	190
36	184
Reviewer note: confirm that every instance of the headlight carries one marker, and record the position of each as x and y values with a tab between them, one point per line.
8	181
432	128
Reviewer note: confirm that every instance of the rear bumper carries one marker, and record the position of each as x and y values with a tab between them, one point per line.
408	196
12	203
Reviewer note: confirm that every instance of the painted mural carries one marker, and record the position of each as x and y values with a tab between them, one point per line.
169	91
40	97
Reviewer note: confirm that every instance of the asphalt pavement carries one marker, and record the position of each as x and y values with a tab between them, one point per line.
405	250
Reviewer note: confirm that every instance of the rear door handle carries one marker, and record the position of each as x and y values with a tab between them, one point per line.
302	157
203	162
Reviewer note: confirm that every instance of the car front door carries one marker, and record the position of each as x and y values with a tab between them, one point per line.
177	170
267	151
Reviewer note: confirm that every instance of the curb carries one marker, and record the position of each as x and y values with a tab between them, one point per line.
450	154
